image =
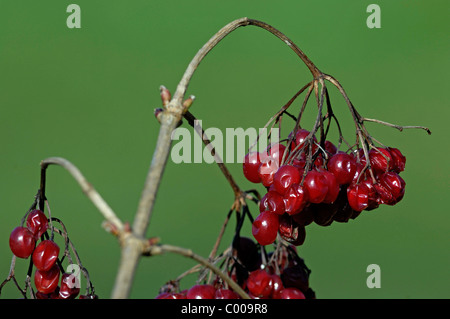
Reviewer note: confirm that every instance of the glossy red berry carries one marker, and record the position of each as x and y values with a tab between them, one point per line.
267	171
45	255
285	177
277	287
37	223
22	242
398	159
169	295
259	283
272	202
380	160
265	228
47	281
300	139
201	292
252	162
69	288
276	152
316	185
333	187
330	148
343	166
392	182
358	196
290	231
292	293
295	199
225	294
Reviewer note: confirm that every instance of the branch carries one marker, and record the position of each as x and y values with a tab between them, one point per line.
159	249
169	118
86	187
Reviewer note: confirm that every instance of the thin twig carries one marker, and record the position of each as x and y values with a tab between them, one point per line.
86	187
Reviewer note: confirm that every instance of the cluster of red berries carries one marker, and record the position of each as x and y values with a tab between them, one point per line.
44	256
332	186
284	277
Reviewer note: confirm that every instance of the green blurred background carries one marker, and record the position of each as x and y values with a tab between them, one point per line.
88	95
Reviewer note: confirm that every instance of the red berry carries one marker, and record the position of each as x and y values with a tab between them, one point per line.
330	148
47	281
272	202
45	255
333	187
69	288
358	196
373	195
21	242
392	182
169	295
343	166
300	138
276	152
398	159
380	160
37	223
292	293
225	294
267	171
201	292
277	287
265	228
316	185
290	231
259	283
252	162
285	177
295	199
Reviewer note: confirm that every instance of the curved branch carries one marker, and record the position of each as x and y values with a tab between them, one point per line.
86	187
159	249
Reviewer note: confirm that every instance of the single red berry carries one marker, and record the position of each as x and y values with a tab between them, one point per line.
343	166
265	228
333	187
272	202
47	281
225	294
21	242
380	160
330	148
267	171
394	184
52	295
373	195
316	185
358	172
300	139
259	283
70	287
398	159
285	177
170	295
277	287
45	255
292	293
37	223
252	162
290	231
276	152
201	292
295	199
358	196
